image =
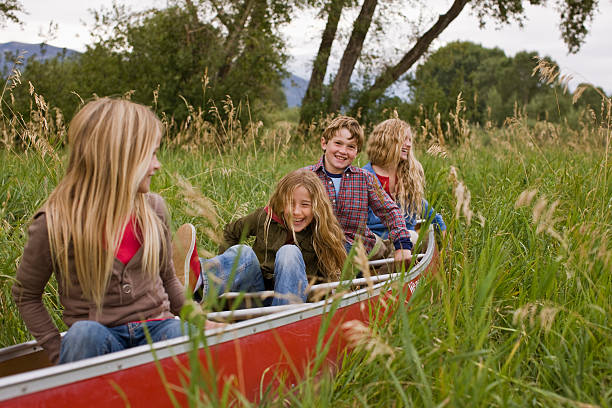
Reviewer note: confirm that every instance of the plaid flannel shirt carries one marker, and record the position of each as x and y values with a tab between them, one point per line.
358	191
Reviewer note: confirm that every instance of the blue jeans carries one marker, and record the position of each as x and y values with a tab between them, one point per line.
235	270
87	338
238	270
290	282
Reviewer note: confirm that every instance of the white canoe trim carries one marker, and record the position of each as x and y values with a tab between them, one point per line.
59	375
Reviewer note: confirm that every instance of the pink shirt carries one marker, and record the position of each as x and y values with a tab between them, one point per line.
130	244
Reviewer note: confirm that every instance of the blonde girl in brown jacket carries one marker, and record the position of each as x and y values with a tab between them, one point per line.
106	238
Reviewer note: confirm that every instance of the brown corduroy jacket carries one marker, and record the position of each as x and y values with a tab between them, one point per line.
130	296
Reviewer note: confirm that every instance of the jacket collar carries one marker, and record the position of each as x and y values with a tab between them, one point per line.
275	217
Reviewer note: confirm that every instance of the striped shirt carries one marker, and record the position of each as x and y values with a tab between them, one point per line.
358	191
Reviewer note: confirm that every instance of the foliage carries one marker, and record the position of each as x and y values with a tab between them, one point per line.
162	58
486	79
575	17
9	10
479	85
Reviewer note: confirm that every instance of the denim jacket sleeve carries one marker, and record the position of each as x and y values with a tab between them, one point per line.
429	212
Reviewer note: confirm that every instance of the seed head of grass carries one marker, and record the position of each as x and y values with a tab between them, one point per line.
198	205
462	196
361	337
525	198
437	150
536	312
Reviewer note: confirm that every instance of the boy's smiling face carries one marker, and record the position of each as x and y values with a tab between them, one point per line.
339	151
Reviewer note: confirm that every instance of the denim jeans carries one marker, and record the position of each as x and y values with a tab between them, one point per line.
290	282
235	270
238	270
87	338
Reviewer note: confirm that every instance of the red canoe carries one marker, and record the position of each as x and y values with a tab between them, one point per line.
250	355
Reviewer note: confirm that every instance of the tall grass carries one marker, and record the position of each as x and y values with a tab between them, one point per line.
518	313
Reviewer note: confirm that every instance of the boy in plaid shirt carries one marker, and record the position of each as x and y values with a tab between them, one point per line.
352	189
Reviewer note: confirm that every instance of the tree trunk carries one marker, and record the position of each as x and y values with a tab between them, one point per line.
352	53
235	32
314	92
392	74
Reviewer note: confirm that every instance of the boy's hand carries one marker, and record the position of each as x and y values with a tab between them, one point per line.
403	256
213	325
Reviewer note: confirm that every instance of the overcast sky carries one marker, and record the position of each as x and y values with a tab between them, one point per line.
540	33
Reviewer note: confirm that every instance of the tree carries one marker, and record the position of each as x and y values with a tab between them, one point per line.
187	51
459	67
492	86
312	98
9	10
574	19
351	53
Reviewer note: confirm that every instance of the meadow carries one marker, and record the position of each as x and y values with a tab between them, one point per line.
519	311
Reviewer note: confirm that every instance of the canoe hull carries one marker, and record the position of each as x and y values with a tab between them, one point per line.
252	357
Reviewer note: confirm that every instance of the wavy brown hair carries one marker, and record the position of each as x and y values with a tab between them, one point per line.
384	149
327	235
349	124
111	145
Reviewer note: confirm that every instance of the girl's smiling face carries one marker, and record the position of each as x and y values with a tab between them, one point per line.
301	213
406	146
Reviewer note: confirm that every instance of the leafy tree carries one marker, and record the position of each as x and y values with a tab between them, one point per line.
493	86
459	67
311	104
574	19
188	51
9	10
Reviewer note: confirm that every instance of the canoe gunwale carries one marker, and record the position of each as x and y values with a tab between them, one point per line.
59	375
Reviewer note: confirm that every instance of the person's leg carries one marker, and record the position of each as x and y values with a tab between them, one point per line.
290	282
235	270
159	330
379	251
87	339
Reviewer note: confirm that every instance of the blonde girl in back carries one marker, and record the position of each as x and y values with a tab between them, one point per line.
297	240
106	238
401	175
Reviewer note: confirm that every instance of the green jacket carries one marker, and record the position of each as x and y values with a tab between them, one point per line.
252	225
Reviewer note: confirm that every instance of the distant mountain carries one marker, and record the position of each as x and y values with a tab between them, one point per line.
40	51
294	86
295	89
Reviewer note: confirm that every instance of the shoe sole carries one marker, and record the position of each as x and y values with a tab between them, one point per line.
183	242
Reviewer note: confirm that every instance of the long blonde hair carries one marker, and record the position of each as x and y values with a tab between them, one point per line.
112	142
384	149
328	238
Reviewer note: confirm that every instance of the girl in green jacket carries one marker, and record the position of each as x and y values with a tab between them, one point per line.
297	240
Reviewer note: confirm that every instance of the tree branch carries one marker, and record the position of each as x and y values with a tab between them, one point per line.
392	74
352	53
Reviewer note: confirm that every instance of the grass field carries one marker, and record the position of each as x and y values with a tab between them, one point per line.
519	313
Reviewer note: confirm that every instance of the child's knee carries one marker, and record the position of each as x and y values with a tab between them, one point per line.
288	250
245	252
84	333
289	260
